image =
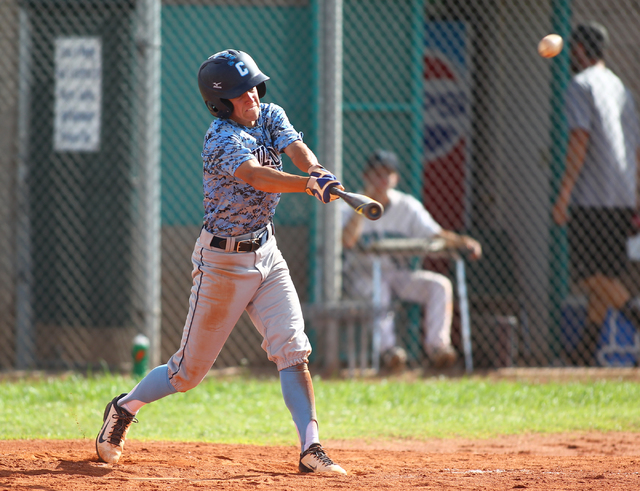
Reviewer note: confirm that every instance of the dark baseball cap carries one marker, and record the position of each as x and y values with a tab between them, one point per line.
382	159
593	36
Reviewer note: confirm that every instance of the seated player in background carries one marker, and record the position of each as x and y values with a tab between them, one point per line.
406	217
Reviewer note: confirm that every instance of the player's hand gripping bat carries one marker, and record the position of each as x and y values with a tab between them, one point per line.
364	205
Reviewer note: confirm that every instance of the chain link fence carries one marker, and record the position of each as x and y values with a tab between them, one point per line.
101	187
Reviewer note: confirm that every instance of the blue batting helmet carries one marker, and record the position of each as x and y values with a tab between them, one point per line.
226	75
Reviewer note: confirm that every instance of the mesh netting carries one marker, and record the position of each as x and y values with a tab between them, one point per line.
101	186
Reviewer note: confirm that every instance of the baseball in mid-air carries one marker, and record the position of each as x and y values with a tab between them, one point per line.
550	46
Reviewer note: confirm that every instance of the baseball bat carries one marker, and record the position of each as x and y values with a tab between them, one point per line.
364	205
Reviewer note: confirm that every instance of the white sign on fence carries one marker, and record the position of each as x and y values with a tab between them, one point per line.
78	89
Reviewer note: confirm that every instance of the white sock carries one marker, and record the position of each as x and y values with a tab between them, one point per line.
132	406
312	435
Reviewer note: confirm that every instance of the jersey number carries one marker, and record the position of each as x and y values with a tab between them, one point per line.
242	70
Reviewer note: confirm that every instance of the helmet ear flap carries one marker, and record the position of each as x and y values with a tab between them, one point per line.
227	110
262	89
211	107
224	110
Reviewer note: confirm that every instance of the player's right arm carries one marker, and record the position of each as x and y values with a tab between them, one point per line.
576	152
352	230
270	180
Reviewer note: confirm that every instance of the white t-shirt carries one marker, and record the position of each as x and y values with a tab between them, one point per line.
598	102
403	217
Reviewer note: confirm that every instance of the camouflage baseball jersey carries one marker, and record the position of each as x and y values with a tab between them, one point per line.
233	207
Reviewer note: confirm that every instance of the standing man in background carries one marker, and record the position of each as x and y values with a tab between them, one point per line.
600	181
236	261
406	217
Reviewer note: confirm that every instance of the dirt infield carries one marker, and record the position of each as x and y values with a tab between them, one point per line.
590	461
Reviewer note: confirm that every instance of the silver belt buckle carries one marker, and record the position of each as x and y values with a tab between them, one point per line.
255	242
238	245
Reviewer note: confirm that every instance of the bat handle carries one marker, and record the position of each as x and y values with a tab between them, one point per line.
336	191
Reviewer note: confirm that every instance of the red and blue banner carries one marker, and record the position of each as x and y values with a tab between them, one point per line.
447	123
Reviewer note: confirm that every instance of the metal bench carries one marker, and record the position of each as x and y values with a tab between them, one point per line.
347	314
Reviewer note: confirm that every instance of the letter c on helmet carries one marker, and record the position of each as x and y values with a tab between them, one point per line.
242	70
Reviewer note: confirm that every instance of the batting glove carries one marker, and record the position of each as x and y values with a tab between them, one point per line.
316	168
320	183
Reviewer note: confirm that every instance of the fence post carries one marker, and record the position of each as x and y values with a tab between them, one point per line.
25	324
148	148
559	254
330	112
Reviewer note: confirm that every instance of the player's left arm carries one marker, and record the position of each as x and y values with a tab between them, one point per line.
637	180
320	179
301	155
462	242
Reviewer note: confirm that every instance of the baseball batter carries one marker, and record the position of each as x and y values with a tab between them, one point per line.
237	265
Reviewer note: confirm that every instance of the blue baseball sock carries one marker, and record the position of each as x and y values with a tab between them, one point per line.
297	390
154	386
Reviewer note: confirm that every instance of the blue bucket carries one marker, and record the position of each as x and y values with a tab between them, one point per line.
617	346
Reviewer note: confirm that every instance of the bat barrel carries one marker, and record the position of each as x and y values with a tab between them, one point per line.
373	211
361	203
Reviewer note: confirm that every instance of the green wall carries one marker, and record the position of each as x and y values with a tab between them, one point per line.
278	38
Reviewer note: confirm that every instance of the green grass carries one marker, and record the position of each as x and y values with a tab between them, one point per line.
248	410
